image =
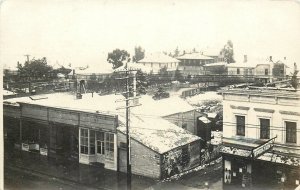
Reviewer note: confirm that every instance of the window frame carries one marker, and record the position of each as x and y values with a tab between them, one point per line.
237	125
267	129
292	133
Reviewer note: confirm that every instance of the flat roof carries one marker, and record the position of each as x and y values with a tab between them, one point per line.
263	92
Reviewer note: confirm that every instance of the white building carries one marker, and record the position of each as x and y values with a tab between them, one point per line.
261	137
157	61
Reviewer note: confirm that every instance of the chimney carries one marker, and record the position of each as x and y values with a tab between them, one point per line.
245	59
270	58
284	58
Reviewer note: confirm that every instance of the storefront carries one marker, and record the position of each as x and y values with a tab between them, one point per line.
98	146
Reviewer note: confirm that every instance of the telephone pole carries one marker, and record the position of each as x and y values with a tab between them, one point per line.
127	108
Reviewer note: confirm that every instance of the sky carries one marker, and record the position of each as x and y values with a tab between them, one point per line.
82	32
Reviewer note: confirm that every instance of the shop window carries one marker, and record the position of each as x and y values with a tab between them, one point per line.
100	143
264	128
109	146
240	125
92	142
291	132
84	136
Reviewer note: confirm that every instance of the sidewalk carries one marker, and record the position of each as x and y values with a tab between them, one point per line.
70	172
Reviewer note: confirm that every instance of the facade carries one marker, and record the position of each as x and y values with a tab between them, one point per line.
157	61
61	132
193	63
158	148
261	138
90	131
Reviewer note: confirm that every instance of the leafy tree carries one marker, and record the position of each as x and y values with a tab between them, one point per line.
178	76
227	52
117	57
35	69
139	54
141	82
176	52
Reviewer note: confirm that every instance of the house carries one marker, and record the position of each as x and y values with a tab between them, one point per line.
156	61
90	130
261	138
193	63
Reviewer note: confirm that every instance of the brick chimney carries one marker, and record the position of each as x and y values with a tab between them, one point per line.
245	59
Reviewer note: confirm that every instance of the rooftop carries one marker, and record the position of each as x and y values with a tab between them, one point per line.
151	130
158	58
263	92
199	56
156	133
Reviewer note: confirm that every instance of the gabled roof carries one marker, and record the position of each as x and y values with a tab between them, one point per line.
199	56
158	58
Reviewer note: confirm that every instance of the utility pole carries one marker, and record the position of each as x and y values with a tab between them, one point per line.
127	107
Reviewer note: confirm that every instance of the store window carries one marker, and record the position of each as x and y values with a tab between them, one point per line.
92	142
100	143
264	128
291	132
84	136
240	125
109	146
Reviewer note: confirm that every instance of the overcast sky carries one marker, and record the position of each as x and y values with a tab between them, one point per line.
83	31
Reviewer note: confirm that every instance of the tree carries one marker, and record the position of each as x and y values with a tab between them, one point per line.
227	52
178	76
117	57
139	54
294	80
141	82
35	69
176	52
63	70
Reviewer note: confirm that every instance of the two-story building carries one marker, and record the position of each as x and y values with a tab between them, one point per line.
157	61
193	63
261	138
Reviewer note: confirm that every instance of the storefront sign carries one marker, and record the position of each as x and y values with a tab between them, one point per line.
261	149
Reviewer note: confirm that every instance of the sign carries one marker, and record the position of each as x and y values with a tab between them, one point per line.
261	149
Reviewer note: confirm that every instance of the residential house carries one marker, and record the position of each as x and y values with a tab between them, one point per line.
156	61
261	138
193	63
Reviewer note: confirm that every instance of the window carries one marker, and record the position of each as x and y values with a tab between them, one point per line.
240	125
84	136
266	71
264	128
238	71
109	146
92	142
291	132
100	142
